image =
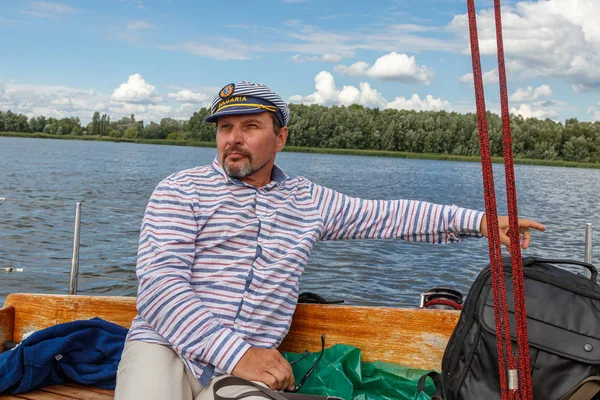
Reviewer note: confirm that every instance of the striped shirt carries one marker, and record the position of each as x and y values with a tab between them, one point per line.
219	261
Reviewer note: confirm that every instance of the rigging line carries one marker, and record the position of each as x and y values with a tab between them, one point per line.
503	345
524	388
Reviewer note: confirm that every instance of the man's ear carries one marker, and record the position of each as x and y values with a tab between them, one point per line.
281	138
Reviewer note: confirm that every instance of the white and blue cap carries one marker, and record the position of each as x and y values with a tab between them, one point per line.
248	98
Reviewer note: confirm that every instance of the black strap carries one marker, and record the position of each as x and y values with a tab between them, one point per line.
435	377
313	298
586	390
262	391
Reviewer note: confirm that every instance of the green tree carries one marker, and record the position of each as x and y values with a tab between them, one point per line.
96	124
130	133
37	124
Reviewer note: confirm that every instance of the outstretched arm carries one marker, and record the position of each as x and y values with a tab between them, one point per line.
346	217
525	226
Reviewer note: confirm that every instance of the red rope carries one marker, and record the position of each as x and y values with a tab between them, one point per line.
513	215
444	302
503	340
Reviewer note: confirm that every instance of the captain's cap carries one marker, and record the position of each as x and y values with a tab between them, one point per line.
248	98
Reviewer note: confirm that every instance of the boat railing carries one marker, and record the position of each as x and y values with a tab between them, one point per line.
74	272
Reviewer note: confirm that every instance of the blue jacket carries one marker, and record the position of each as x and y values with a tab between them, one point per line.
87	352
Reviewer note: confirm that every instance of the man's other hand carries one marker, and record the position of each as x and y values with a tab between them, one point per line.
267	366
525	226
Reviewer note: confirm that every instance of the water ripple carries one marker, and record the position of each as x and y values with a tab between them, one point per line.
43	179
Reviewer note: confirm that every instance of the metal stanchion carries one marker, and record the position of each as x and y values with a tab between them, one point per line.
588	243
75	261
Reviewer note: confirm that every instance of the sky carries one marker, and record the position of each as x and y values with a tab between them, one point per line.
168	58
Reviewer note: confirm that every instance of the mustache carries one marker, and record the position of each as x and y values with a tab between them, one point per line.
227	152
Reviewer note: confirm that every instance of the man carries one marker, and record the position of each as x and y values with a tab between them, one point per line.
222	248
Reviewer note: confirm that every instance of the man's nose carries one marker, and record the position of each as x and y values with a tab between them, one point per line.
236	135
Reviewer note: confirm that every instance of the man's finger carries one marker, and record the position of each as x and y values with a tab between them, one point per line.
270	380
526	239
287	373
527	223
290	376
504	239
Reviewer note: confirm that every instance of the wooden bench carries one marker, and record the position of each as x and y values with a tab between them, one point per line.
407	336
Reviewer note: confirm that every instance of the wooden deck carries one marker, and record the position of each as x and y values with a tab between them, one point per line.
407	336
63	392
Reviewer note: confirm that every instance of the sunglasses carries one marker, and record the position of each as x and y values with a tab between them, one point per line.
311	370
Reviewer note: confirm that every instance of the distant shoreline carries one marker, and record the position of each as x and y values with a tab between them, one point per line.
297	149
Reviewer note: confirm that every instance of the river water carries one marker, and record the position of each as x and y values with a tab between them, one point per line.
43	179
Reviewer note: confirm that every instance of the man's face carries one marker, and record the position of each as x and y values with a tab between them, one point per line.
247	144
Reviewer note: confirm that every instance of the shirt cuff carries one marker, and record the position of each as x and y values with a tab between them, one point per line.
226	350
470	222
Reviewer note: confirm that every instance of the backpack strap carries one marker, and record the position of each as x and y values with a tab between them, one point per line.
586	390
437	380
261	391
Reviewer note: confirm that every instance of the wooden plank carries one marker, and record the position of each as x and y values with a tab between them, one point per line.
81	392
37	311
7	319
91	388
42	395
68	391
407	336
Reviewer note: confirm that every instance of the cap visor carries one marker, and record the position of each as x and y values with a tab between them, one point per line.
235	111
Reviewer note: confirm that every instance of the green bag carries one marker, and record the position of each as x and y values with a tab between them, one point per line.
342	373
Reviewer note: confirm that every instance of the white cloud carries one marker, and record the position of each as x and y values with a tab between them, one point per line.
390	67
138	25
187	96
429	103
530	94
137	3
50	100
328	94
595	113
136	90
298	58
541	110
218	49
42	9
488	77
58	101
556	38
187	107
313	43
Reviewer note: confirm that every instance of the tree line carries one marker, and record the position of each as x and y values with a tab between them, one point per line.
357	127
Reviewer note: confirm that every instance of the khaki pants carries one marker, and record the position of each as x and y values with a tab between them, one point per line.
154	372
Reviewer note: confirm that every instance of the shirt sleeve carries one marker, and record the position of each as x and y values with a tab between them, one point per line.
348	217
166	299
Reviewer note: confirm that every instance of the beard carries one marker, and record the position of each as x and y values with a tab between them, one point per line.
238	171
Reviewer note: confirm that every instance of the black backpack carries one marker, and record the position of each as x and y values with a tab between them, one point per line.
563	321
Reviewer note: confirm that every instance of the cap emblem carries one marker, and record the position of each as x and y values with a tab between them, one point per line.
227	91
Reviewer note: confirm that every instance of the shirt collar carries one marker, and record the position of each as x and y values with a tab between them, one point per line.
278	176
